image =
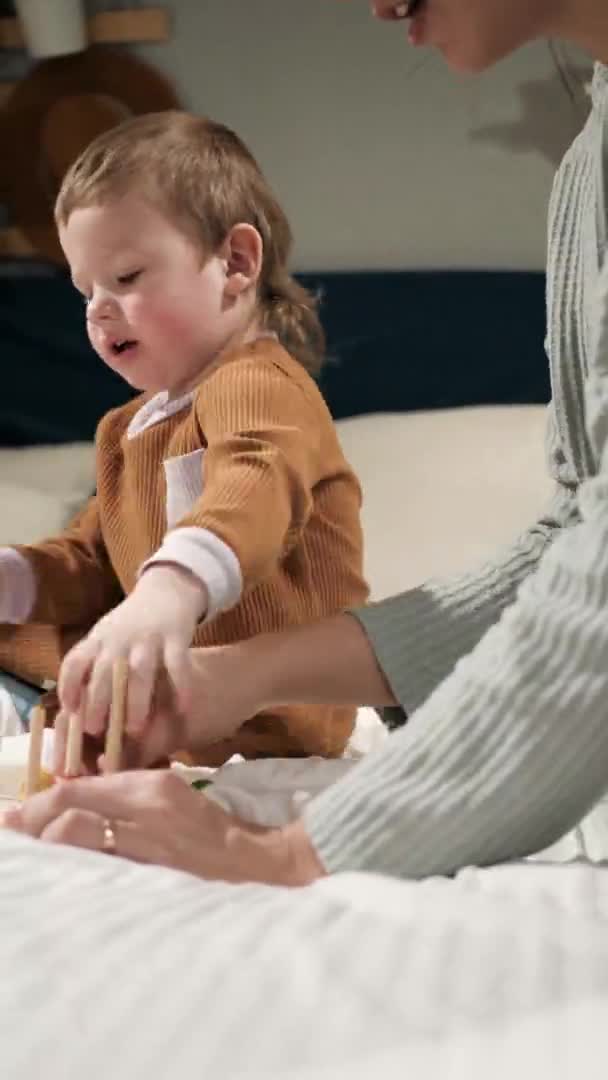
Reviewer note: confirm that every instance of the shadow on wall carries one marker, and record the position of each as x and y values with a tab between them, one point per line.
540	126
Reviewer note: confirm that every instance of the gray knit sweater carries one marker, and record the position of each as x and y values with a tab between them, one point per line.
508	747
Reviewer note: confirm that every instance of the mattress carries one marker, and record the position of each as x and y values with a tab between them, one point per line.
110	969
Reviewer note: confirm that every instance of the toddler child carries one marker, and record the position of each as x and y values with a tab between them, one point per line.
224	505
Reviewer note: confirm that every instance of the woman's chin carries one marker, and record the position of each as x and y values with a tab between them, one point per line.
473	57
462	63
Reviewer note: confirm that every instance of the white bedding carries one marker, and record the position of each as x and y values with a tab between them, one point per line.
110	971
114	970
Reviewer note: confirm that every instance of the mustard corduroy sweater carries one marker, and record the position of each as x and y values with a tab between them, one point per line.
244	478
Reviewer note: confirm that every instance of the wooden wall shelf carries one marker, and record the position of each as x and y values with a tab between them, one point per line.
121	27
149	24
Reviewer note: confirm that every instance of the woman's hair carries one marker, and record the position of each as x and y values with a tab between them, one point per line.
203	177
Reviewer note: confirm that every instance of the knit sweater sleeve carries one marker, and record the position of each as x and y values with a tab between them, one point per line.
512	749
261	464
420	635
74	583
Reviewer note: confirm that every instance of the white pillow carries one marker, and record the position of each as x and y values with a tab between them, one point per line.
444	490
41	488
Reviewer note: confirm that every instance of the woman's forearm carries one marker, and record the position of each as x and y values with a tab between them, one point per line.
329	662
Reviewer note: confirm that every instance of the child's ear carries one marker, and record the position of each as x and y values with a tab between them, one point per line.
242	251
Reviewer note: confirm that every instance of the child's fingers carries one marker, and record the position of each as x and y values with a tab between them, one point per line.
99	695
74	674
143	669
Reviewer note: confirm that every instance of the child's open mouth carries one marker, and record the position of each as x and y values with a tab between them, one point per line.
119	347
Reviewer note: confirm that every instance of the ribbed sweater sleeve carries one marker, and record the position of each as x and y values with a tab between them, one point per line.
420	635
261	463
512	749
74	581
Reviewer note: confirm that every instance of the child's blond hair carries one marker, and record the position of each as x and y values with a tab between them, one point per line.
205	179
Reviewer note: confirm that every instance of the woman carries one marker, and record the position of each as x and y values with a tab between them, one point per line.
508	747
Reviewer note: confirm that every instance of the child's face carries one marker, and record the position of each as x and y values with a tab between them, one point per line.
156	313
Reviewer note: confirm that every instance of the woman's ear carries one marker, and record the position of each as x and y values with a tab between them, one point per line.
242	252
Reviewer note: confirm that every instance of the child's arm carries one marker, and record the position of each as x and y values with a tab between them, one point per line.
64	581
261	465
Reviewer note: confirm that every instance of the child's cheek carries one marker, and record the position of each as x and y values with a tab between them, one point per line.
164	321
139	312
93	334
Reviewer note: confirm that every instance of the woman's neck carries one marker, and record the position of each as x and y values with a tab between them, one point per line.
584	23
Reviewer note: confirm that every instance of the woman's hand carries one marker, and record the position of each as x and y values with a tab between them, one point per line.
330	662
155	817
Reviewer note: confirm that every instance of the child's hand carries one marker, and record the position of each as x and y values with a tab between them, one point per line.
224	682
152	629
224	693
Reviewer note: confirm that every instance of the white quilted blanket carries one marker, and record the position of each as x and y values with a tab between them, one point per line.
112	970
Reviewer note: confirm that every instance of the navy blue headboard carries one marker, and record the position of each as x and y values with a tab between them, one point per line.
398	340
430	340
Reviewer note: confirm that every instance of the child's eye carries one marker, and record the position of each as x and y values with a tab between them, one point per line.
128	279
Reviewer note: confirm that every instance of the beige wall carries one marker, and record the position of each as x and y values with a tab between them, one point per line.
381	157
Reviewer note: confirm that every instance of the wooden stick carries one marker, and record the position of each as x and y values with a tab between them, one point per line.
34	757
60	731
113	748
73	751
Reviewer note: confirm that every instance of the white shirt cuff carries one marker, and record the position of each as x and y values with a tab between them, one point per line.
209	559
18	591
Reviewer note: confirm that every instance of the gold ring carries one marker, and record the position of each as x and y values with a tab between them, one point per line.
109	838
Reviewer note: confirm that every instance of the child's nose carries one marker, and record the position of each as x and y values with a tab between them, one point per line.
101	306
